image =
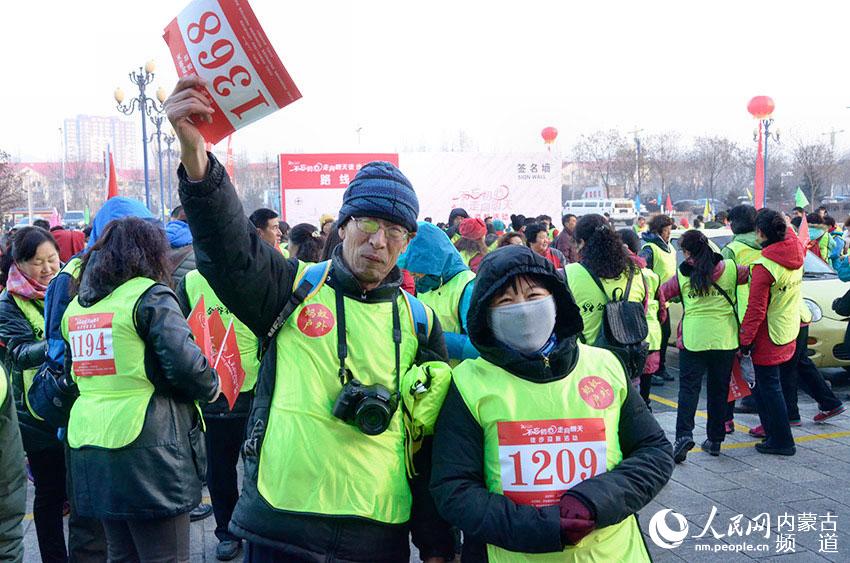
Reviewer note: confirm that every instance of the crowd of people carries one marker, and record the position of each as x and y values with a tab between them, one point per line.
474	387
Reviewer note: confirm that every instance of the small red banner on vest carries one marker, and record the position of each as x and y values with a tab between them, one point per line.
229	367
222	42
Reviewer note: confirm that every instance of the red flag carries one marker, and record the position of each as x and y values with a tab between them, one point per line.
738	388
201	329
759	182
803	233
113	180
229	367
668	205
217	332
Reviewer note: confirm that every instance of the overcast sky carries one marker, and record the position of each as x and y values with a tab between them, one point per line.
415	74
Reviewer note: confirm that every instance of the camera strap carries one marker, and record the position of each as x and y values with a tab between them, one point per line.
342	346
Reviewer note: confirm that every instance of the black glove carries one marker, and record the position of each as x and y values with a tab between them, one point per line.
745	350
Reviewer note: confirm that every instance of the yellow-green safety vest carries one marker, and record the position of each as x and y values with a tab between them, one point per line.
367	475
4	385
590	300
197	287
663	261
653	338
708	321
744	255
35	318
284	249
468	255
783	309
107	365
445	300
542	439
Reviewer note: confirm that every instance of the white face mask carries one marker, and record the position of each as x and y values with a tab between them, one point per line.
525	326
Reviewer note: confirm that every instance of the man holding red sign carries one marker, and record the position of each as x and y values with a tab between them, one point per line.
327	471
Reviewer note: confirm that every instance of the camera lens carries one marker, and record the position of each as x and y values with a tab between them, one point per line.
372	417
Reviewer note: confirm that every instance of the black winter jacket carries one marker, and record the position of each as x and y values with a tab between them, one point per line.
255	281
159	474
13	481
23	351
457	481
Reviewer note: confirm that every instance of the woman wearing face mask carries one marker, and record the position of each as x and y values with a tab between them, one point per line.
444	283
27	266
542	445
603	261
707	339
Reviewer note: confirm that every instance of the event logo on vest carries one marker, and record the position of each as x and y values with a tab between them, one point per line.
315	320
596	392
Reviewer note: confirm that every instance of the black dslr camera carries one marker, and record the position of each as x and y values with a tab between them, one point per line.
368	407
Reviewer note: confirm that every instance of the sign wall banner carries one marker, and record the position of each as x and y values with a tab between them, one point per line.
495	185
222	42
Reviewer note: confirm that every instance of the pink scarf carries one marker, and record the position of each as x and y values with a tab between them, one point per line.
22	286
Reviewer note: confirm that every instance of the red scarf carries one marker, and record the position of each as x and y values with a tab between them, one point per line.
22	286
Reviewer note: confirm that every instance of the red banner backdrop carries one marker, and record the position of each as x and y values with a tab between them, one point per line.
322	171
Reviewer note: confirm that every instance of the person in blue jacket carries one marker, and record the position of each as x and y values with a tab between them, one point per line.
444	283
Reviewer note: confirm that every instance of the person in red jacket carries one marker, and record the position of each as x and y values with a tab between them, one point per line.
781	247
70	242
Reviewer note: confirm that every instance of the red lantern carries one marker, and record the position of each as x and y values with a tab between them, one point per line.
761	107
549	134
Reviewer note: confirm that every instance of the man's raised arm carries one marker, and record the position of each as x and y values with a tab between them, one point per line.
250	277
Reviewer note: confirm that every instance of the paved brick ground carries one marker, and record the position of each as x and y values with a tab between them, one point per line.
740	481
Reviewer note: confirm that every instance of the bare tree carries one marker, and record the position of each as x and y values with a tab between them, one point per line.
10	185
815	164
664	156
712	158
599	150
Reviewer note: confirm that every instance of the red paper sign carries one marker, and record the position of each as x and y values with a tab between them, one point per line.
322	171
541	459
200	329
738	388
222	42
217	332
229	367
91	344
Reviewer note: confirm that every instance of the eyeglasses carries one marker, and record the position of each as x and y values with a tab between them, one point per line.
371	226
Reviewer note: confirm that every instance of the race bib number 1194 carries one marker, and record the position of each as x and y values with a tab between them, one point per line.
541	459
91	344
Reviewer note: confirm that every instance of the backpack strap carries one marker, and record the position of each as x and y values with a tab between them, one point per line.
418	317
729	299
306	286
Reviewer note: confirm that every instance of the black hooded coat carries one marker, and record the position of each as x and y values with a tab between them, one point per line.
457	481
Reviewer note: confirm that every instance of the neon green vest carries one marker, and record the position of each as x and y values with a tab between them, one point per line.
708	321
284	249
4	385
468	255
653	338
108	367
743	255
663	262
590	300
196	287
783	310
35	318
445	300
311	461
527	427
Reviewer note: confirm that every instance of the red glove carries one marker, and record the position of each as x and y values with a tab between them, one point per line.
576	519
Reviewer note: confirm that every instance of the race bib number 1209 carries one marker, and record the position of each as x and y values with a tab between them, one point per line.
541	459
91	344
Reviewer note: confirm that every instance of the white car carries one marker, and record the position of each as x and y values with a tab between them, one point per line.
618	210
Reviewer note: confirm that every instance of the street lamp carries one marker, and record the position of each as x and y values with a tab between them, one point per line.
169	137
157	120
147	107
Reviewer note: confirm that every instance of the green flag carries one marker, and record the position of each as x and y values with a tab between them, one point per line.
87	216
800	198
